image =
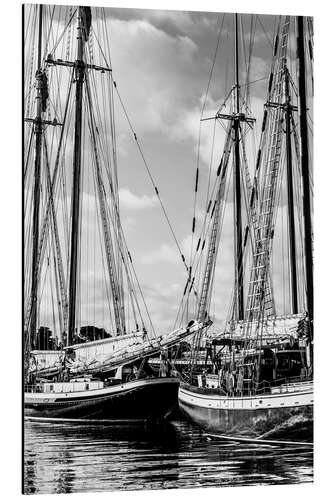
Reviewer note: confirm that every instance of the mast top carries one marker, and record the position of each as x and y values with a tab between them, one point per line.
236	87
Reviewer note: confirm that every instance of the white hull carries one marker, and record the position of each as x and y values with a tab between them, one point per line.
249	416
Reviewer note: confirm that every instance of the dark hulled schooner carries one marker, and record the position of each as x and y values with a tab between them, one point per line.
71	157
257	378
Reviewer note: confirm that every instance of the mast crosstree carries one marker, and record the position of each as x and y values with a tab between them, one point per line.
232	143
82	37
80	68
38	130
79	80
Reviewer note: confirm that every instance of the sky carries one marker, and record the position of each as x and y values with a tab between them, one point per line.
162	63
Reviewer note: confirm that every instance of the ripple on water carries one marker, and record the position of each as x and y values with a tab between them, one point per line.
74	458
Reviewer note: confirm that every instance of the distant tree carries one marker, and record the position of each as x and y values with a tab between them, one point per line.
89	333
44	336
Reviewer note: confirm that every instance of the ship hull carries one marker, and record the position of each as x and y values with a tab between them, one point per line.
278	416
145	400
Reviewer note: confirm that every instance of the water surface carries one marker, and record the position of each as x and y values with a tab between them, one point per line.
64	458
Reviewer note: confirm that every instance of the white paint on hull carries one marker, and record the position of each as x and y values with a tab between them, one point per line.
302	397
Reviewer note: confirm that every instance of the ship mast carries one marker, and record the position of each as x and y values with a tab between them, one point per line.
305	166
38	129
76	188
237	191
81	79
232	142
291	218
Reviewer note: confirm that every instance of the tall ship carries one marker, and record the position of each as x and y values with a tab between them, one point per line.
254	380
87	333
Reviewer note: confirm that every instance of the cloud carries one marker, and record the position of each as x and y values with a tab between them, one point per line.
169	253
211	137
164	253
131	201
171	22
155	100
163	302
161	62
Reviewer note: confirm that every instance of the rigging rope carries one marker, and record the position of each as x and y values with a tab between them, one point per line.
151	178
199	145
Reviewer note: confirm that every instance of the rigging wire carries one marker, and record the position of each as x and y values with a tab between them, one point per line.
58	40
199	143
120	242
270	42
151	178
146	165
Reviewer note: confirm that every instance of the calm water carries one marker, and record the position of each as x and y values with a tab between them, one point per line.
73	458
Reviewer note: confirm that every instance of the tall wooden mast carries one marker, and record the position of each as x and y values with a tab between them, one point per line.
237	191
232	142
81	79
76	187
305	165
290	189
38	130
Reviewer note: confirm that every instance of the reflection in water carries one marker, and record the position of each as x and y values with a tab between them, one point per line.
75	458
30	475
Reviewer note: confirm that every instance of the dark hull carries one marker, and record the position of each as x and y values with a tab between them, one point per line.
140	401
293	422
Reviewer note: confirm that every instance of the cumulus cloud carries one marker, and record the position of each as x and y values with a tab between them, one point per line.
170	253
165	253
209	137
131	201
163	308
161	62
151	95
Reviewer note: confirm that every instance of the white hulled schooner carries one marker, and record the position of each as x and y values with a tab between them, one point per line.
255	379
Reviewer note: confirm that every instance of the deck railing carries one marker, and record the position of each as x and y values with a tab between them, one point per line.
251	388
33	388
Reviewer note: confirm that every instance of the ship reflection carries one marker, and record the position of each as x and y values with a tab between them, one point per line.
30	476
79	458
50	461
60	455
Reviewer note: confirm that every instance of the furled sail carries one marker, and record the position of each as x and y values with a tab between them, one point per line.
106	354
88	352
277	328
83	358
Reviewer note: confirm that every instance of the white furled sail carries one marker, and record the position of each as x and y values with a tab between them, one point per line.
88	357
108	353
89	352
274	327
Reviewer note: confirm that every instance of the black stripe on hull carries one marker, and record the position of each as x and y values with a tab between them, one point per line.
277	423
153	401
